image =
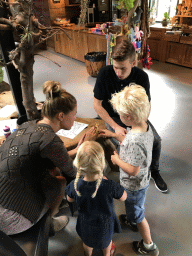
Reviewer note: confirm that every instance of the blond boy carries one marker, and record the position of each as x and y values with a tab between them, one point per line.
134	159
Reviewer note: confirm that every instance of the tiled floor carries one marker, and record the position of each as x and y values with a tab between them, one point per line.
169	215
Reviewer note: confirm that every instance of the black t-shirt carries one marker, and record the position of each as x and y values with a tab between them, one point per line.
108	83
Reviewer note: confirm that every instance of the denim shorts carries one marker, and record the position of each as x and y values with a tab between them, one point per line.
134	205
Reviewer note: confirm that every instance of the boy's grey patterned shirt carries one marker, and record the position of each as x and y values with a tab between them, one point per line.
136	150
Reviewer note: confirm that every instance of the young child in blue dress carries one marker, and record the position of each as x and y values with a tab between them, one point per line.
94	196
134	159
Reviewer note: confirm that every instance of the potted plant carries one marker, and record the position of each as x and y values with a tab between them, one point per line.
166	19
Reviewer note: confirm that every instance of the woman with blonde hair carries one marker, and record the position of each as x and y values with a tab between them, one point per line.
94	195
27	186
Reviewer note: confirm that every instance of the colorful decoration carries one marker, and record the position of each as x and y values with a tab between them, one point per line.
132	35
108	57
112	44
146	61
83	13
135	36
138	33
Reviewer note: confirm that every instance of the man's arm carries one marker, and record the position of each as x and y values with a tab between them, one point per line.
105	116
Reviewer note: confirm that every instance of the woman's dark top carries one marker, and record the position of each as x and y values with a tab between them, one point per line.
25	158
96	220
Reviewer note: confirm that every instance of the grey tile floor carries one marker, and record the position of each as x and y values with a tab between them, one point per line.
169	215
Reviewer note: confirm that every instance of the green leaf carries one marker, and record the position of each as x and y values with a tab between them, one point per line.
1	74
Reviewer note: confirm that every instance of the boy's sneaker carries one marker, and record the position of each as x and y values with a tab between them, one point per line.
159	182
131	225
60	222
140	249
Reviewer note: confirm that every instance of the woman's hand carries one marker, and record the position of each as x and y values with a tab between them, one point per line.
91	134
55	172
81	141
105	133
115	158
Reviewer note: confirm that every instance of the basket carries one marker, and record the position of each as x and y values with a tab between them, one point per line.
94	61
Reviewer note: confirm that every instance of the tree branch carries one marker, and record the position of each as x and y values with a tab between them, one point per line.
3	64
131	12
6	21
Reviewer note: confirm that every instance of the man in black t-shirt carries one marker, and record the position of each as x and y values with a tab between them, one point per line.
114	78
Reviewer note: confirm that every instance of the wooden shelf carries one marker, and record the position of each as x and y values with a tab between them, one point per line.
170	48
72	5
183	16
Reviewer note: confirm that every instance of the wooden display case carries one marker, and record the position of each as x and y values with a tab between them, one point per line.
81	43
184	20
170	48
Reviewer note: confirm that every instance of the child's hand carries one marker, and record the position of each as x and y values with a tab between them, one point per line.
115	158
81	140
105	133
120	130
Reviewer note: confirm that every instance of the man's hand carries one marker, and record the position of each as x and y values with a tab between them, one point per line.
115	158
120	130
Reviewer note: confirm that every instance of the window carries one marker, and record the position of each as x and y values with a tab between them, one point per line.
158	7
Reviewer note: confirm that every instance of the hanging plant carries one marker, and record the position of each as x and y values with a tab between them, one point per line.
83	13
126	4
1	74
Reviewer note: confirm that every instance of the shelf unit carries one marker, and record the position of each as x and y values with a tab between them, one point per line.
175	49
183	19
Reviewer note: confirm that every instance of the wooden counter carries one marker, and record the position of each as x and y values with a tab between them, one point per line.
72	143
81	42
108	146
171	48
164	47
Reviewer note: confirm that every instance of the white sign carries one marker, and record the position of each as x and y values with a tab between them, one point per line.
74	131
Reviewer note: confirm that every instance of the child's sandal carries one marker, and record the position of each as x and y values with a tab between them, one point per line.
112	249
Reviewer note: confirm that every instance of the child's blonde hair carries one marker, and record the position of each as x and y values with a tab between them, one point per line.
90	159
132	100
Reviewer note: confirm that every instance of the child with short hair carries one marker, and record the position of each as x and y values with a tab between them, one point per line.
134	159
94	195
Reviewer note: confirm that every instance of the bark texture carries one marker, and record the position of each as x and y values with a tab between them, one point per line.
29	33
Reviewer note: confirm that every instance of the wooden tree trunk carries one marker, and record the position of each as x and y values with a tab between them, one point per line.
26	77
131	13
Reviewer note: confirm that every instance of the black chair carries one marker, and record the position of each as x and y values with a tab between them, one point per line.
37	237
